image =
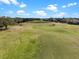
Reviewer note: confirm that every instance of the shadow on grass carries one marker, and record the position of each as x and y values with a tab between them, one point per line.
2	29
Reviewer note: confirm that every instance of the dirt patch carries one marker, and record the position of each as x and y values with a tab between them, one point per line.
16	28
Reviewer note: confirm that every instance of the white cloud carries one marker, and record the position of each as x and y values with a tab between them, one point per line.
52	8
61	14
14	2
27	14
10	12
9	1
55	5
75	15
23	5
40	13
69	5
72	4
1	8
5	1
21	12
75	3
64	6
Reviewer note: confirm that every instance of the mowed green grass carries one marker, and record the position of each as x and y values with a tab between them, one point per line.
40	41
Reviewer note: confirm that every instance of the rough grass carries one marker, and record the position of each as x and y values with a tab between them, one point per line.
40	41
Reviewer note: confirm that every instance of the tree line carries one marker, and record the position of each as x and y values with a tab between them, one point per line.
17	20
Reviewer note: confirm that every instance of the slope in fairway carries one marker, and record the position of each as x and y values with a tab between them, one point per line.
40	41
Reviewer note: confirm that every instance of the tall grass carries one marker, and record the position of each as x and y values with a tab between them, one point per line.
40	41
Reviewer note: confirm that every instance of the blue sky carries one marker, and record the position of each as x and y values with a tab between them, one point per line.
39	8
